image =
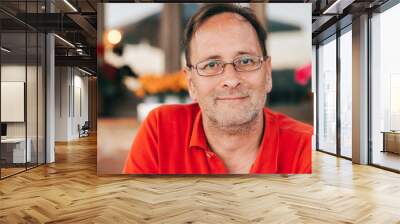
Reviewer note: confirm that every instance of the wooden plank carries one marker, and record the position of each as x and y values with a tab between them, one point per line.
69	191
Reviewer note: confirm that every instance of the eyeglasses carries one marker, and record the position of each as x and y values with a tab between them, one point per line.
213	67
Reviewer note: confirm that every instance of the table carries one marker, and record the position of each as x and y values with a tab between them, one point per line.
391	141
13	150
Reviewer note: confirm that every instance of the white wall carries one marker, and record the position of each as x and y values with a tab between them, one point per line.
12	73
71	93
80	105
62	81
33	126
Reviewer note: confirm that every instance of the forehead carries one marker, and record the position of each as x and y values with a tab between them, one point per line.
224	35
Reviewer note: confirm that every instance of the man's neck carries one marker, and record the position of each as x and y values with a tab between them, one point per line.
236	146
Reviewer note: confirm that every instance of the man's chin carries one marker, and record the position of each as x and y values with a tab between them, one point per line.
230	119
233	106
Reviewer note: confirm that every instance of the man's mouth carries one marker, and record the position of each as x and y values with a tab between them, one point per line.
226	98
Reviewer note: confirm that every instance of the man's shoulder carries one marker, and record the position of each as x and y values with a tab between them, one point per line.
175	111
288	124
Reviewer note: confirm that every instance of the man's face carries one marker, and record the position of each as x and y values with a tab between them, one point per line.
231	98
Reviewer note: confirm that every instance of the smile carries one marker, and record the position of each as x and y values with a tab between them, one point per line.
232	98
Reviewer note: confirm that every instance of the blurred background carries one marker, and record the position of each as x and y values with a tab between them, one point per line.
140	61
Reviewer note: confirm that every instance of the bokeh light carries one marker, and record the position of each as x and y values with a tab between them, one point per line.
114	36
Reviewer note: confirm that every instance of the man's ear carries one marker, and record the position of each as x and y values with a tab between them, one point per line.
190	84
268	73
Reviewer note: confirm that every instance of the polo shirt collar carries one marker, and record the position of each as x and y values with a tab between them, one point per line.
198	137
267	157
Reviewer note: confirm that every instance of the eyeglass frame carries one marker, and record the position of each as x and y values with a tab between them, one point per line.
260	58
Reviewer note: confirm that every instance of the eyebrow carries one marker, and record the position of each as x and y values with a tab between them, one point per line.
219	57
211	57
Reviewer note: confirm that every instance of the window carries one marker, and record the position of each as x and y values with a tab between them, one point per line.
327	96
385	89
346	93
22	76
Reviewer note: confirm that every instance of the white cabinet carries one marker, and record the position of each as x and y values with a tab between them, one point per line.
17	146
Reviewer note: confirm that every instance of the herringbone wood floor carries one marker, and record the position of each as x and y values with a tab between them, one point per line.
69	191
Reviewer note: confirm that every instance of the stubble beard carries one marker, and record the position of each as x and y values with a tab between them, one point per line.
236	118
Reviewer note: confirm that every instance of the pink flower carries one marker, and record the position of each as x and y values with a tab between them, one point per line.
303	74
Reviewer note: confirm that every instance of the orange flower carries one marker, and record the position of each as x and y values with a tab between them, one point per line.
140	92
155	84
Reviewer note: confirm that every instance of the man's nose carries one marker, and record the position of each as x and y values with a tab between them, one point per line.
230	77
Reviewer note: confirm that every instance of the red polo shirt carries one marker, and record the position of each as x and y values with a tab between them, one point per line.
171	140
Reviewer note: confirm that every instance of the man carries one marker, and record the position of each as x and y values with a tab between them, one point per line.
228	129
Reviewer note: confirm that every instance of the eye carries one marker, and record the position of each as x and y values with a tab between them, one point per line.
209	65
246	61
